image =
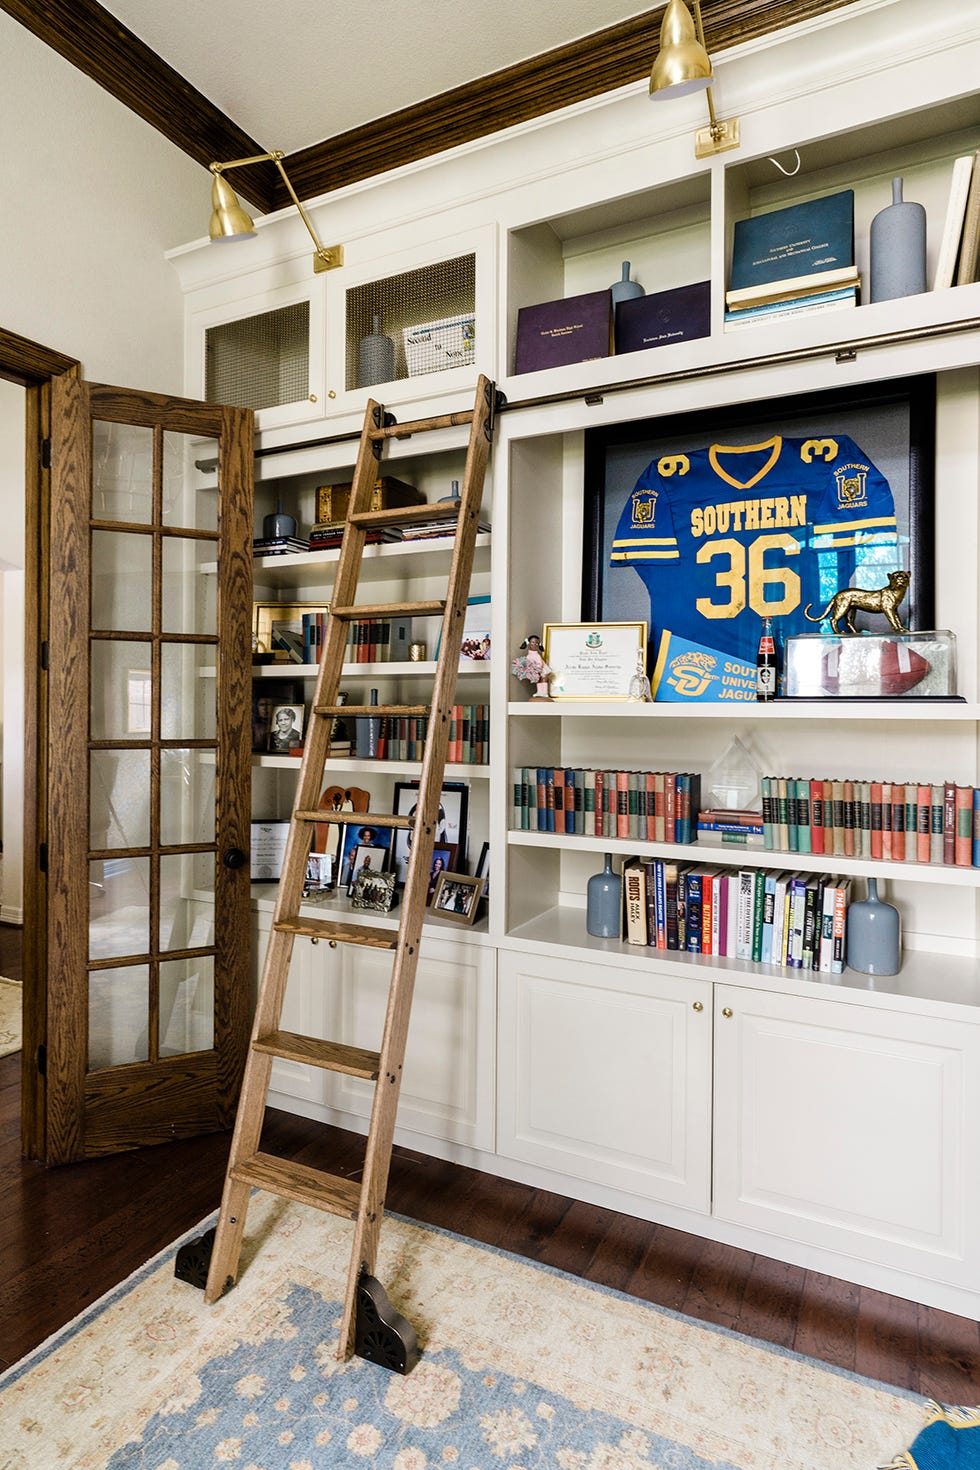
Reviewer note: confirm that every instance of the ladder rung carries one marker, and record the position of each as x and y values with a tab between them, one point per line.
380	609
297	1181
366	819
344	933
333	1055
421	426
407	515
371	709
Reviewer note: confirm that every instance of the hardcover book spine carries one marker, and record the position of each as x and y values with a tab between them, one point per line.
693	924
898	823
850	845
670	807
963	847
825	949
876	844
660	905
782	813
671	879
558	800
886	820
768	917
805	837
768	814
744	923
838	800
923	829
911	822
936	824
634	899
949	823
976	827
816	816
840	928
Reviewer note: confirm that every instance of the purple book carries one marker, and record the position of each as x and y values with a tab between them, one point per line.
556	333
665	316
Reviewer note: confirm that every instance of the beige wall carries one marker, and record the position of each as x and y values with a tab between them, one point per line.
92	197
12	648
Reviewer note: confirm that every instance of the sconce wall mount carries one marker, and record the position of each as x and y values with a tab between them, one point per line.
684	66
229	221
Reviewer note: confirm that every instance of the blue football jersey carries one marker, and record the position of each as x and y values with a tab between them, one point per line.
724	536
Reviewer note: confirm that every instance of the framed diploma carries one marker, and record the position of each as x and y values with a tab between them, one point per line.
594	660
268	849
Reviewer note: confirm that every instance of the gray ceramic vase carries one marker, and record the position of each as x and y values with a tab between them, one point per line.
874	935
375	358
898	249
603	902
625	289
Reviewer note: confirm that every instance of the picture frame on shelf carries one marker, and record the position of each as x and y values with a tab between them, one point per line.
319	873
286	616
450	825
365	858
475	640
286	729
482	869
266	695
361	835
593	660
443	861
892	426
267	847
457	897
374	891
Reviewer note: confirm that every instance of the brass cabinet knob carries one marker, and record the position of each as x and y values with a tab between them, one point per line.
314	941
698	1006
332	943
727	1012
331	394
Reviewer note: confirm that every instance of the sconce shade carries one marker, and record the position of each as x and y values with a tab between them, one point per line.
682	64
228	220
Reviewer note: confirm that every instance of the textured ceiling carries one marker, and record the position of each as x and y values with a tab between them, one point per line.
301	71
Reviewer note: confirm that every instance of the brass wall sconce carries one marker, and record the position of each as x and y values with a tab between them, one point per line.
682	66
229	221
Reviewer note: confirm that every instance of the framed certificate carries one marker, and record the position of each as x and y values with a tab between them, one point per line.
594	660
268	850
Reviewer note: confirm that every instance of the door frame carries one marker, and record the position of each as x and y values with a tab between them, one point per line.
33	367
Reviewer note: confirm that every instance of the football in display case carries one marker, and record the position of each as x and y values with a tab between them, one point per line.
871	665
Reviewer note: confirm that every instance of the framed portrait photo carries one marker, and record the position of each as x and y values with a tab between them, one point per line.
450	820
358	836
705	523
443	861
365	859
457	897
286	729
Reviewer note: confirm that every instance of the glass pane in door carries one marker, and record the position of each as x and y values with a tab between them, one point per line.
190	493
122	581
119	799
188	691
122	473
190	585
118	1016
119	908
186	901
186	796
120	689
186	1005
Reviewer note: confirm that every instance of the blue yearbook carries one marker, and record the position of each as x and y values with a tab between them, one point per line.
800	240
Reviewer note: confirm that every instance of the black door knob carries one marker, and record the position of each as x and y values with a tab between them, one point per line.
235	857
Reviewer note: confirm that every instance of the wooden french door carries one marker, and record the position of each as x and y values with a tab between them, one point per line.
148	765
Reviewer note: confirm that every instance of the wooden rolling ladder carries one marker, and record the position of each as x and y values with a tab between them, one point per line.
369	1326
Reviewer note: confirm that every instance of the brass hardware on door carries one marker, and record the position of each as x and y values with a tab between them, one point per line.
314	941
332	943
698	1006
331	394
313	398
727	1012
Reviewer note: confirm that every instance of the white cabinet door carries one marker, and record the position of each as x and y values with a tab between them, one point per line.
850	1128
605	1075
447	1090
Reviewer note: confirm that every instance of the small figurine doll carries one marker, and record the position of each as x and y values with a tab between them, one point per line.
640	691
530	665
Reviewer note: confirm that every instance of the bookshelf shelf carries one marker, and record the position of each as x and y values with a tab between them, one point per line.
927	711
455	771
756	857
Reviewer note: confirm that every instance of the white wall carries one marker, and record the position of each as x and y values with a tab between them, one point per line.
92	197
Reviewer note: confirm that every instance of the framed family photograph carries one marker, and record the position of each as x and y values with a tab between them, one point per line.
373	891
286	729
359	839
702	524
457	897
450	821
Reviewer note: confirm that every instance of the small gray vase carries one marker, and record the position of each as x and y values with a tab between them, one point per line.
603	902
375	358
874	935
625	289
898	249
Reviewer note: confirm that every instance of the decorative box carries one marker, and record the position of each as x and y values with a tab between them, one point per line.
556	333
432	346
871	665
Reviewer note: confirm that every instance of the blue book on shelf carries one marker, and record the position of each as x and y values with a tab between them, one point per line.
800	240
976	826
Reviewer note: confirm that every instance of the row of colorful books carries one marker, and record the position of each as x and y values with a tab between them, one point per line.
795	920
369	640
651	806
900	822
402	737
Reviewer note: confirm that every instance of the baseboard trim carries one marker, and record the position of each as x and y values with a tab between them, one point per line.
10	915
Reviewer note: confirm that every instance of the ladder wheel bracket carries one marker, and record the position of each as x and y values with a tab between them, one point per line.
382	1335
193	1260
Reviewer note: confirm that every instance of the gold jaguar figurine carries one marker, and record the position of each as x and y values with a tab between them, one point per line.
850	600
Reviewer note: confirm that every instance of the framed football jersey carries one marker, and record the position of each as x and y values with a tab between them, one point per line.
704	524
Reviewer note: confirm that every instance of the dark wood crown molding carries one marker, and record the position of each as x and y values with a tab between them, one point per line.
89	36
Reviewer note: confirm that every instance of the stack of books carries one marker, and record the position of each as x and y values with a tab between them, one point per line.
438	528
793	261
279	545
723	826
902	822
651	806
797	921
326	535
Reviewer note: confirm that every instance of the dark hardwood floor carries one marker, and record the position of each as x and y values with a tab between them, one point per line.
68	1235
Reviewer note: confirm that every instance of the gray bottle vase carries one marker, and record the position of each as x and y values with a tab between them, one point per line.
625	289
874	935
375	358
898	249
604	902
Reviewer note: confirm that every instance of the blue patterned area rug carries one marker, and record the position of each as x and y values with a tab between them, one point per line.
523	1368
